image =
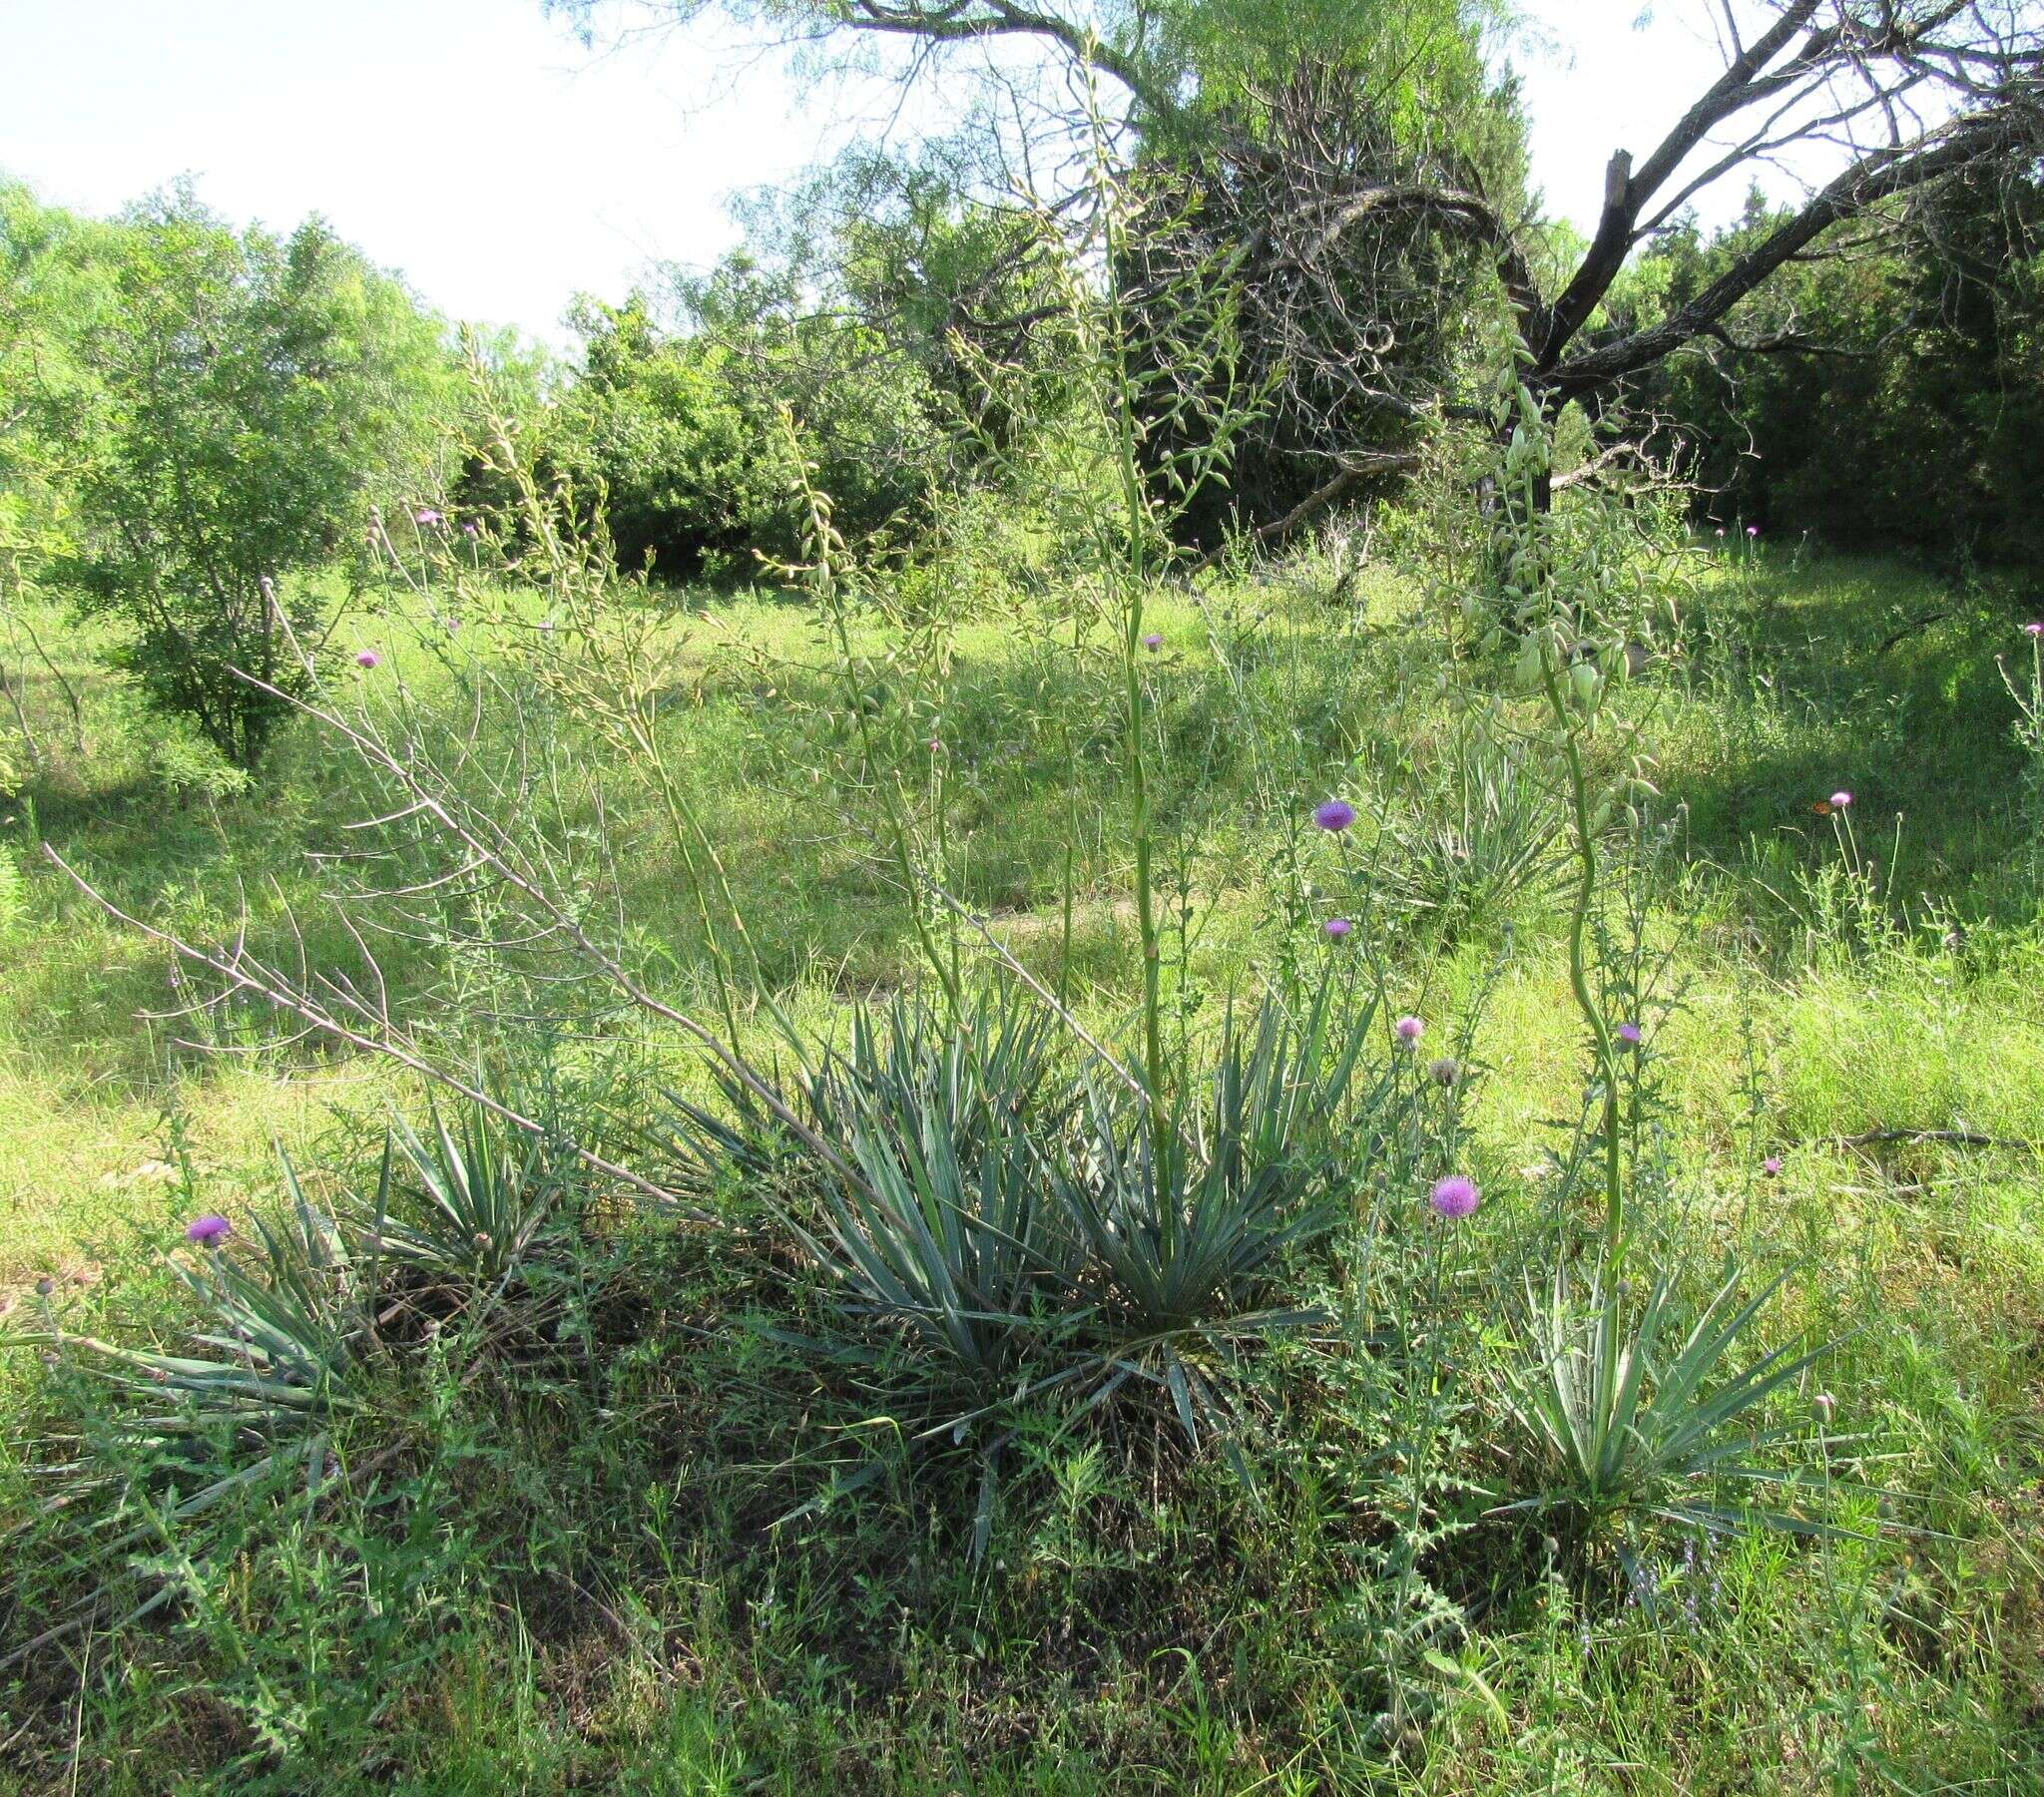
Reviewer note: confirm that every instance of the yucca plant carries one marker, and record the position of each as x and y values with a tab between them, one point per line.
467	1204
955	1229
958	1236
993	1062
277	1359
1186	1237
1482	833
1621	1431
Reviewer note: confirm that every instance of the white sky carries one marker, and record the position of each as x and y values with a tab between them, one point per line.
475	147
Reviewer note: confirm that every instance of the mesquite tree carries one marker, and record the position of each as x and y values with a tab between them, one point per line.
1876	101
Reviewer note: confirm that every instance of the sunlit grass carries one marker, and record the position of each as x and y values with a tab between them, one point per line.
1116	1648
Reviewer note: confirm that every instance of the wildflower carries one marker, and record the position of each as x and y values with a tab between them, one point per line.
1630	1035
469	530
1721	529
1826	1404
1154	642
1409	1029
546	623
1454	1196
1771	1166
936	745
206	1231
2035	628
1753	530
453	625
1337	926
425	515
1839	800
367	658
45	1286
1335	814
1444	1072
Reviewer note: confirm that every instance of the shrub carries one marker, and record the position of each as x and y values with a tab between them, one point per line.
248	392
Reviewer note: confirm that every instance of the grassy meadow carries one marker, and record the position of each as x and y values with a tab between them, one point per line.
673	1528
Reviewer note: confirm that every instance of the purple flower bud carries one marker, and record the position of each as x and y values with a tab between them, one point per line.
1839	800
1337	926
1753	530
425	515
469	530
1409	1029
368	658
205	1231
1453	1197
1335	814
1771	1166
1629	1033
1154	642
2035	628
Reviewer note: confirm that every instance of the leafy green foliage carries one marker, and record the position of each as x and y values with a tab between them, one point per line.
679	426
1897	387
247	394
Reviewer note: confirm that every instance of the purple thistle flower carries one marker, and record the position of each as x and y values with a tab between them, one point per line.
1409	1029
1335	814
1721	529
1154	642
469	530
546	623
1839	800
2035	628
1753	530
1771	1166
205	1231
367	658
453	625
1453	1197
427	515
1630	1034
1337	926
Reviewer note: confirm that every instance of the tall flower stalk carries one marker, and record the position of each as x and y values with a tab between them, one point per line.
1154	360
1564	584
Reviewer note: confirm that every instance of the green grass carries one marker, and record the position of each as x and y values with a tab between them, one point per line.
579	1576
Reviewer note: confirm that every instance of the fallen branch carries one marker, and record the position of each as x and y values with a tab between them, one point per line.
1319	499
1958	1138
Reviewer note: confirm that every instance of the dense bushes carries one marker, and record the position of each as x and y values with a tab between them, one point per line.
681	431
221	409
1888	394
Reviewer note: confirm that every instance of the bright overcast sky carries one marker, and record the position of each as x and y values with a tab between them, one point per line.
473	145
